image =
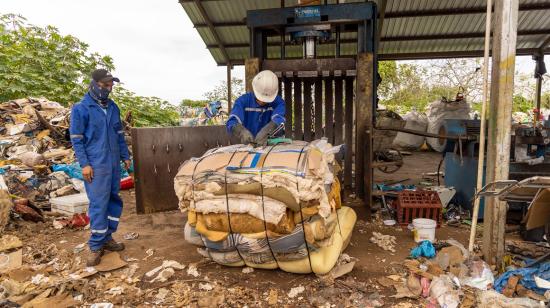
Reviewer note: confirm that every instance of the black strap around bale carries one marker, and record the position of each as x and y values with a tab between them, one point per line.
300	204
193	192
263	205
228	213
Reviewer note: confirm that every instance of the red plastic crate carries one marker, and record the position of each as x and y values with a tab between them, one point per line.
418	204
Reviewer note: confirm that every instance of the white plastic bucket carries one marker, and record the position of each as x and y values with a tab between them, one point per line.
424	229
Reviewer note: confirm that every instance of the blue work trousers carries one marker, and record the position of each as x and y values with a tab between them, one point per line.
105	205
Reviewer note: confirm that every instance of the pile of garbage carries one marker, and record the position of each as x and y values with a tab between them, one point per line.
267	207
37	162
445	274
213	113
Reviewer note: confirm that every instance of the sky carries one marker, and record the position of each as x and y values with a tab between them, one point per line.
155	48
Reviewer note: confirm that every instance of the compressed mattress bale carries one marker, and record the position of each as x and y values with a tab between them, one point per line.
268	207
322	259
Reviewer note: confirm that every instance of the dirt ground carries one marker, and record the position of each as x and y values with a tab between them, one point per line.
163	232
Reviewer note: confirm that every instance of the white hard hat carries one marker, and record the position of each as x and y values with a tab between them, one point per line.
265	85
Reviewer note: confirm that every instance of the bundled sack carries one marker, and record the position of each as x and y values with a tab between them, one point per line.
415	121
267	207
438	112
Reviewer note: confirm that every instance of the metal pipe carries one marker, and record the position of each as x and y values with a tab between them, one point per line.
426	134
481	158
229	87
337	51
538	91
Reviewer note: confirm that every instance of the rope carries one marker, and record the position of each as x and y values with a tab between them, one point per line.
227	204
263	205
193	193
302	214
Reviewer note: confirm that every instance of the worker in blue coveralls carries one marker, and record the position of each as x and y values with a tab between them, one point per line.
98	140
259	115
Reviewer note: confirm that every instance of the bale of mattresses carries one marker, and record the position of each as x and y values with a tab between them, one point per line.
267	207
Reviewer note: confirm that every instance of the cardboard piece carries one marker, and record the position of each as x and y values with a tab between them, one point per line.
11	260
539	210
110	262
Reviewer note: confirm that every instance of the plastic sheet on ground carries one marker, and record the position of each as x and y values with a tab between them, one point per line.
527	277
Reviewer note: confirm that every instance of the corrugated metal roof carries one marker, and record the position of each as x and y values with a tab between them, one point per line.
412	29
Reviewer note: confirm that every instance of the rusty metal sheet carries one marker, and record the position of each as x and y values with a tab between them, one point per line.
298	132
329	109
309	65
318	112
288	104
348	132
308	83
158	153
338	110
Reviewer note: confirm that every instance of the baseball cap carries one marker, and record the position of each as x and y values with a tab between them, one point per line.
103	75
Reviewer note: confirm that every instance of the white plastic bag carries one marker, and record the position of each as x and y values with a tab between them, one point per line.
415	121
438	112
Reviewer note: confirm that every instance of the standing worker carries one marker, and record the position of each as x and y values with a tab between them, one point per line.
258	115
98	140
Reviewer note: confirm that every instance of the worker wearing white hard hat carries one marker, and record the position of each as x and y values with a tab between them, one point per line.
258	115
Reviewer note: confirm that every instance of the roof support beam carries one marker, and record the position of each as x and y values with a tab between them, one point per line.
463	11
212	29
404	38
391	15
426	55
545	43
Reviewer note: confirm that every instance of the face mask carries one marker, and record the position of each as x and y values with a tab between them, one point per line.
98	93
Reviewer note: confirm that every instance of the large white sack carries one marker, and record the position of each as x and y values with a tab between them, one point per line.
438	112
415	121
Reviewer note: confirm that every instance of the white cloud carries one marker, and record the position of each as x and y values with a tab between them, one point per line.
156	50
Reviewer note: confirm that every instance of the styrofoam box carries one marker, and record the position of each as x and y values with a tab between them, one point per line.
71	204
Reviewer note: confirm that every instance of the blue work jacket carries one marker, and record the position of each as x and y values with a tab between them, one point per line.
253	116
97	135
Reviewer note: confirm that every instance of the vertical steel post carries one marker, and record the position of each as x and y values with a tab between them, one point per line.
229	94
498	146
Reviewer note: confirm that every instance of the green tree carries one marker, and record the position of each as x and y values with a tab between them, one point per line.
145	111
41	62
37	61
220	91
522	104
192	103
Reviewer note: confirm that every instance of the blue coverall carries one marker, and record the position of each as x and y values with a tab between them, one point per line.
98	141
253	116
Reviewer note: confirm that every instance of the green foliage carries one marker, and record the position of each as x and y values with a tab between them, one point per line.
220	91
192	103
403	87
37	61
145	111
522	104
41	62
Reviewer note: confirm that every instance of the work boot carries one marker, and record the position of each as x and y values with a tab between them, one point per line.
111	245
94	257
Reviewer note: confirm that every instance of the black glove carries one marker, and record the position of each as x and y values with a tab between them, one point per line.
263	134
243	134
